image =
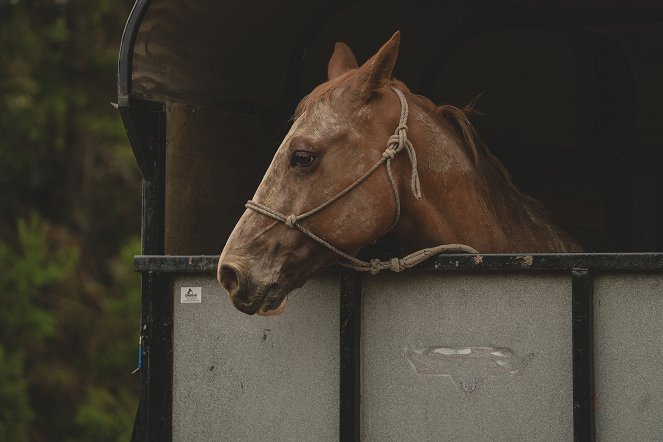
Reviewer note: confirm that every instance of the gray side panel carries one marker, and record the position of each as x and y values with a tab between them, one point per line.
250	378
496	324
628	348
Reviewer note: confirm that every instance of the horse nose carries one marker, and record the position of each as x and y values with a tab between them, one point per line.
230	278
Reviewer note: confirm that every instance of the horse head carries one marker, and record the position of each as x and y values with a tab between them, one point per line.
340	131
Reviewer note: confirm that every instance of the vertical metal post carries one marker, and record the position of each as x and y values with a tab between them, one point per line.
156	330
146	126
583	355
158	358
350	381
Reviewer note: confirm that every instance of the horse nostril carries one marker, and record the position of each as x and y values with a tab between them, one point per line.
229	278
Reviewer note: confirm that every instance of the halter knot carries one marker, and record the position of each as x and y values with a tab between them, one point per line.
395	140
389	153
291	221
374	268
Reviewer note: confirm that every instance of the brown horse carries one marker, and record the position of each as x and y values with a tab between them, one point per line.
448	188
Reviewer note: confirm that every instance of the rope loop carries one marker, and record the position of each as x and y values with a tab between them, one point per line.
291	221
396	265
394	140
374	268
389	153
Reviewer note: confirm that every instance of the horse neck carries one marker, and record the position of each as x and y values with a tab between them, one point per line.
468	199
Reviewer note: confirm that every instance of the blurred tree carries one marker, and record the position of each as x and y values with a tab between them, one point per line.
69	216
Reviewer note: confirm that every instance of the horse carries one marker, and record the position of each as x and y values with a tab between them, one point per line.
340	168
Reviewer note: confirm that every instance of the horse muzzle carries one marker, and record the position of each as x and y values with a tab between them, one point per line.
263	298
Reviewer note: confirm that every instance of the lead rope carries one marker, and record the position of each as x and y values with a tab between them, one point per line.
397	142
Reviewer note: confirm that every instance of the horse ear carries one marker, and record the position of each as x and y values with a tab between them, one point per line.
379	68
343	59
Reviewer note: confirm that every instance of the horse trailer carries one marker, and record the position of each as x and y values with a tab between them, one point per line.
463	347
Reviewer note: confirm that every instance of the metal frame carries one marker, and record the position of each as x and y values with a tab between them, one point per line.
146	121
598	262
580	267
154	416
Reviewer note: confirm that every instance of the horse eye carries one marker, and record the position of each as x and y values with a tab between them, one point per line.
301	159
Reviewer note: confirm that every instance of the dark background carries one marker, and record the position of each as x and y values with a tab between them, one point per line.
69	225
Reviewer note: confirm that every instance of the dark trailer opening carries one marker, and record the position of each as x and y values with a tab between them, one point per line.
572	97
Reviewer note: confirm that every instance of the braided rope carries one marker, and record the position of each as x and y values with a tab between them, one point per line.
396	143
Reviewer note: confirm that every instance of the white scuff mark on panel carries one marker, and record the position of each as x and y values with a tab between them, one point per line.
452	351
467	366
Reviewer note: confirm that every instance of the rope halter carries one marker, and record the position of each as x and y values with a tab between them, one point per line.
396	143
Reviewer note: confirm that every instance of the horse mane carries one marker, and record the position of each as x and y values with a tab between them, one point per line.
489	167
467	134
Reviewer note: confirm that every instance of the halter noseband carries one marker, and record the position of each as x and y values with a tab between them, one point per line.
396	143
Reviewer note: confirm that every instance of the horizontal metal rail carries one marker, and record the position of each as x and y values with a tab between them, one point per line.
597	262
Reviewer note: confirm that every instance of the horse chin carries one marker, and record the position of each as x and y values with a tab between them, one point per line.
268	311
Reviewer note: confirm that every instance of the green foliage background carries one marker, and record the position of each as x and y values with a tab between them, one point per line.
69	224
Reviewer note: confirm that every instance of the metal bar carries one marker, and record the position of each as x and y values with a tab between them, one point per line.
583	355
152	230
129	120
124	64
160	359
141	431
154	416
152	150
350	376
624	262
144	122
613	262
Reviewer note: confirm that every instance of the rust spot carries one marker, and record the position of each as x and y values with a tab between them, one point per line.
527	260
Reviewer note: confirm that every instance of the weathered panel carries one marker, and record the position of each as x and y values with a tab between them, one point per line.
251	378
628	344
459	357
